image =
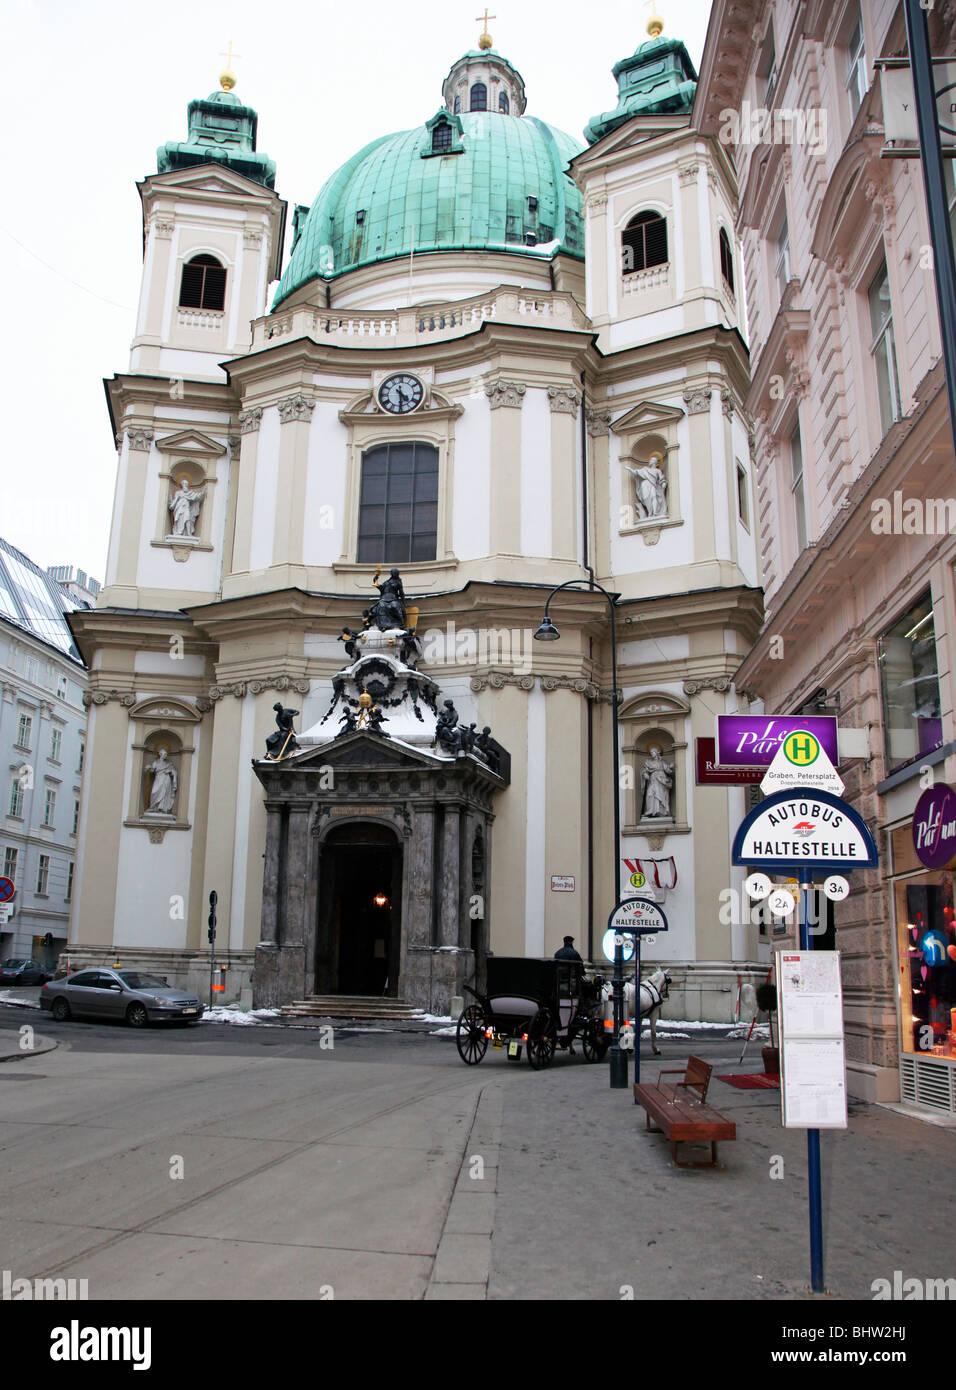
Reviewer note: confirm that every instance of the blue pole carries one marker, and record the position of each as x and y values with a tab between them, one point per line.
813	1137
637	1008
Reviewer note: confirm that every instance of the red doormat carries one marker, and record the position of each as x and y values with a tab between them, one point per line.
753	1081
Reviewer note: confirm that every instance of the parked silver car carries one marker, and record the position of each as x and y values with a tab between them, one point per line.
129	994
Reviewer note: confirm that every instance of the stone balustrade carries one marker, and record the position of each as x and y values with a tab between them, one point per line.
360	327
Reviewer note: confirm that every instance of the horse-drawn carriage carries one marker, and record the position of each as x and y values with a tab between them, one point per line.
535	1005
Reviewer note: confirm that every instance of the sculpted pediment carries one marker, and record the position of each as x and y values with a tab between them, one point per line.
362	749
186	442
647	415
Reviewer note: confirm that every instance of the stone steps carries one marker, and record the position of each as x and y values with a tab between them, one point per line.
350	1006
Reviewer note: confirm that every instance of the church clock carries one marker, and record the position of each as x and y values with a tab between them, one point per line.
400	394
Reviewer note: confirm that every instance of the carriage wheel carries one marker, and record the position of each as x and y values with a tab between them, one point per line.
542	1040
470	1037
594	1044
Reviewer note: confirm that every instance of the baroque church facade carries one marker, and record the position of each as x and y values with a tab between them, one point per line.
497	361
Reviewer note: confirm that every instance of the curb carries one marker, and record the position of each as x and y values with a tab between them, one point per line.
40	1046
462	1266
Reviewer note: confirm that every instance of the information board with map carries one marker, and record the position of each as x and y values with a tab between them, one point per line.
810	1015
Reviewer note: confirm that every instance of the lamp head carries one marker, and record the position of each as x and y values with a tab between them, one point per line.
547	632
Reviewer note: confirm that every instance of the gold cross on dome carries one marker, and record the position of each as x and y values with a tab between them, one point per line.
485	35
227	79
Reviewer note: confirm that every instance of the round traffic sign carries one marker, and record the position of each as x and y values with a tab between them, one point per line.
637	879
801	748
7	890
781	902
836	888
611	939
757	886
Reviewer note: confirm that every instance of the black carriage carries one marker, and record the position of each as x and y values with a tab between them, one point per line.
536	1006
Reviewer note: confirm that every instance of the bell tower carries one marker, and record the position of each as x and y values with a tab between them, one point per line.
213	231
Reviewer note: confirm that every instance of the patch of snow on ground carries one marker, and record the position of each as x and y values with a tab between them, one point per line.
224	1013
451	1032
7	998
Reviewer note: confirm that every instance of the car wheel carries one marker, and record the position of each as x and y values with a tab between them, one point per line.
136	1016
60	1010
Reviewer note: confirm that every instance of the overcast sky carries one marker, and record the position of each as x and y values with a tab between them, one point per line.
92	89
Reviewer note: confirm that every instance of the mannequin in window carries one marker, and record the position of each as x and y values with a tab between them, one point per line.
162	794
185	508
650	488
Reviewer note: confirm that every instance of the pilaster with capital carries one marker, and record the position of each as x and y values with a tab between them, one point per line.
505	393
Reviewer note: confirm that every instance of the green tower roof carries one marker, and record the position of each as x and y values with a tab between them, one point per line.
658	79
221	131
502	184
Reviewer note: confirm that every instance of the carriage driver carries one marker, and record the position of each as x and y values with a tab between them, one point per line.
567	951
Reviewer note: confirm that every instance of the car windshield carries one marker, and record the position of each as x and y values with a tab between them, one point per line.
13	964
134	980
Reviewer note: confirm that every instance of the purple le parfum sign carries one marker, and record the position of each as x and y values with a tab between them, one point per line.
752	740
934	826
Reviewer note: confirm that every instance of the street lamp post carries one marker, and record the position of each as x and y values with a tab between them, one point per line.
547	632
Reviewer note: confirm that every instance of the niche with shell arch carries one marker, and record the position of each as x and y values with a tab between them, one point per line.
191	458
647	450
655	721
156	724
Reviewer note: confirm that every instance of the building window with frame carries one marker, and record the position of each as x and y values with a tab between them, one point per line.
856	76
203	285
883	349
797	489
909	676
726	259
81	756
49	807
767	68
62	687
457	105
43	874
56	744
644	242
504	103
398	504
479	97
24	731
76	815
16	797
69	881
783	270
441	138
743	495
10	855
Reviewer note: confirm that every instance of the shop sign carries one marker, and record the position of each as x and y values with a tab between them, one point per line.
934	826
752	740
710	775
804	829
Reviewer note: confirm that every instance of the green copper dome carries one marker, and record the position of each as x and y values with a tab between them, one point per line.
501	186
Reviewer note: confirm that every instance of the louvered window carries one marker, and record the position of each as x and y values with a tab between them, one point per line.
203	284
644	242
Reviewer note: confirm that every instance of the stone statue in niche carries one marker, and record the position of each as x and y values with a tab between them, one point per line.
650	489
165	785
657	780
185	507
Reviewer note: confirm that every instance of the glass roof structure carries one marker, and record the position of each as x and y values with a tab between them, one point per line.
31	600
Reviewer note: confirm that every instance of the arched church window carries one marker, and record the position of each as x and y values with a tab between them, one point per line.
504	105
726	259
398	504
644	242
457	105
441	138
479	97
203	284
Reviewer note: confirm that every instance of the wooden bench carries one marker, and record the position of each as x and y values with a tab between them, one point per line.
680	1110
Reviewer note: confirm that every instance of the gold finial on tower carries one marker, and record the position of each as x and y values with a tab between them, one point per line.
655	25
227	79
485	40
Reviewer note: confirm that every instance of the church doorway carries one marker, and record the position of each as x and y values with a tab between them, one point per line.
358	929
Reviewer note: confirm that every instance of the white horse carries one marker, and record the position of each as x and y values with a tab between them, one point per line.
654	990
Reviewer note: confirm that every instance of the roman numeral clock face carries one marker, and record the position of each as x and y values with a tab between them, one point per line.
401	393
